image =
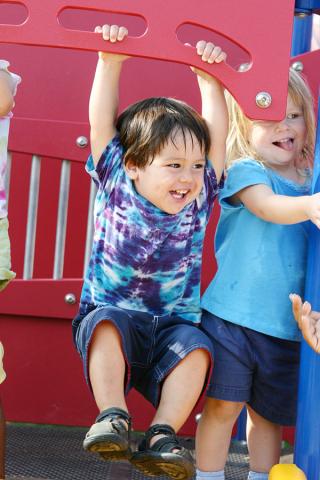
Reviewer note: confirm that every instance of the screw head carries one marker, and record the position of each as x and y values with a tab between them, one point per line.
70	298
297	66
82	141
263	99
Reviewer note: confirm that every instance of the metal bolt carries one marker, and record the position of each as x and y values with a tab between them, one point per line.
197	417
297	66
263	99
244	67
82	142
70	298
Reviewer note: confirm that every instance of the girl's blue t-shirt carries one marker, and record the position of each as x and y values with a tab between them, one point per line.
259	263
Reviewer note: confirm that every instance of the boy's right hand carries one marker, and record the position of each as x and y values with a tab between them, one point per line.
112	34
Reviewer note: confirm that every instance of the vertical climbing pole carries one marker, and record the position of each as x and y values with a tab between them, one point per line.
307	444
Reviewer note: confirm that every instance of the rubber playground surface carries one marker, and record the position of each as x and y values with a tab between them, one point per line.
38	452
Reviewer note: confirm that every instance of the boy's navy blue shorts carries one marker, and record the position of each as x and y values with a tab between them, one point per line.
254	368
152	345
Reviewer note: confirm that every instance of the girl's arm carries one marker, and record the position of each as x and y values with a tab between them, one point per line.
104	98
282	209
214	108
6	95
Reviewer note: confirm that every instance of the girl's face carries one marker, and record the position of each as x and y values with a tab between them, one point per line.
280	144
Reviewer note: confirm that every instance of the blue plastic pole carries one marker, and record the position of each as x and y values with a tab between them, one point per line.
307	442
302	32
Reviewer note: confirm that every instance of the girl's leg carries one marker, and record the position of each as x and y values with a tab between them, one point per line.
107	367
264	442
214	433
2	443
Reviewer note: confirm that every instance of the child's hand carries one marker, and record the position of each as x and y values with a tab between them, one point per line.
307	320
113	34
209	53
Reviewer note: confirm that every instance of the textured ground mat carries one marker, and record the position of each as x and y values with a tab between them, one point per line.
52	452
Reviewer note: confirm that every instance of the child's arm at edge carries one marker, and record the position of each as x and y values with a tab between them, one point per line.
6	93
104	97
214	108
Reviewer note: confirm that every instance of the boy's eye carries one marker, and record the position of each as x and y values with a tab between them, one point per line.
174	165
198	166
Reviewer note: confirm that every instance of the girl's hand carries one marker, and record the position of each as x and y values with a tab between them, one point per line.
313	209
307	320
112	34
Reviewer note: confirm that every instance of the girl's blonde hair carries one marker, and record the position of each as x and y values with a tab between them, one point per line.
238	145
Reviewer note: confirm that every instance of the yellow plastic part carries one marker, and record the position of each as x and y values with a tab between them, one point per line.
286	472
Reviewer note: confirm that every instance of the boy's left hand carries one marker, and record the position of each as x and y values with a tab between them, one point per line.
308	321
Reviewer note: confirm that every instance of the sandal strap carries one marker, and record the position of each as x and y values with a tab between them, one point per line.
114	413
166	444
160	429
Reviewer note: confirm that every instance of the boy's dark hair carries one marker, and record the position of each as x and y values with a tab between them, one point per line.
146	126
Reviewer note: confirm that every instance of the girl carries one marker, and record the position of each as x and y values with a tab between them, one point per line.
8	86
261	244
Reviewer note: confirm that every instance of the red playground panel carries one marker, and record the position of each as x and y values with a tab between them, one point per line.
248	24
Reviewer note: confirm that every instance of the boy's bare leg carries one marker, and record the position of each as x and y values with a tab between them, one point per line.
2	443
107	367
214	433
264	442
181	390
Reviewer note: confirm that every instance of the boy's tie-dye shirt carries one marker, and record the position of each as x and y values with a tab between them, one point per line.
4	131
144	259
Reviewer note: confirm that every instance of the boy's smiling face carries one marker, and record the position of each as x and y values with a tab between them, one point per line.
174	178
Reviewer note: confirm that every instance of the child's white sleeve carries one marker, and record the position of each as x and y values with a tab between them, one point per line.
5	257
16	79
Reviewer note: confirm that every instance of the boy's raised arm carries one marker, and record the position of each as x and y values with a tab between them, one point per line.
104	98
214	108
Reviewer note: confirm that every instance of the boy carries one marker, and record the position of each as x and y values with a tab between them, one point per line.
140	303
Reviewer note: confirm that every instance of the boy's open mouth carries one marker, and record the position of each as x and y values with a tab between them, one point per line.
285	144
178	194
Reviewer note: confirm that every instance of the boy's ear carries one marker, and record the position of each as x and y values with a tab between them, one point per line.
131	170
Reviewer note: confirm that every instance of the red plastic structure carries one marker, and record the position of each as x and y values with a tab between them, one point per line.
261	28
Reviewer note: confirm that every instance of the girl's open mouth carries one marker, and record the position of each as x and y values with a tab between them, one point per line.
285	144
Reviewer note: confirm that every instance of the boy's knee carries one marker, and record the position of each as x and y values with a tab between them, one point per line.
200	358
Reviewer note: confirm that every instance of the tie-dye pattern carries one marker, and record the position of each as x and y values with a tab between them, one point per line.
4	131
144	259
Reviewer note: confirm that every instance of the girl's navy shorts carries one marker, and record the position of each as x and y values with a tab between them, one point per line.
254	368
